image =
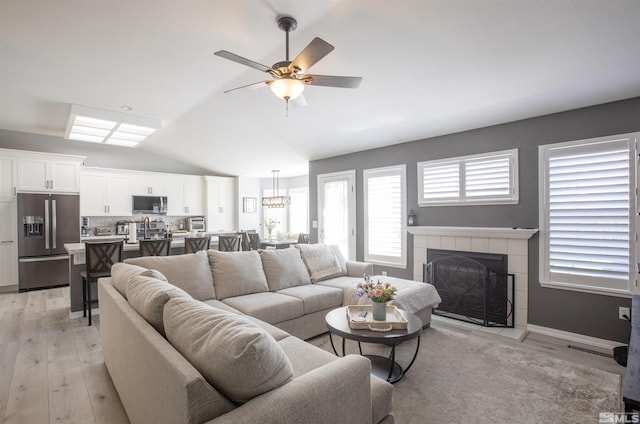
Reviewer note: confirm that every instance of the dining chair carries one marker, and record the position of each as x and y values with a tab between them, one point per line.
155	247
303	238
194	244
99	256
229	243
246	243
254	239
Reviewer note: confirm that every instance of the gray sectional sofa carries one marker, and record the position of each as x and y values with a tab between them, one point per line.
219	337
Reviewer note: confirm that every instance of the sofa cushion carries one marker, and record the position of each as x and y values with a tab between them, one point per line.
190	272
315	298
268	306
236	356
155	274
284	268
304	356
148	295
340	257
320	261
122	273
237	273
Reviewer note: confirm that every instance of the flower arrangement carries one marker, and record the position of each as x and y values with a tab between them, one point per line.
377	292
270	224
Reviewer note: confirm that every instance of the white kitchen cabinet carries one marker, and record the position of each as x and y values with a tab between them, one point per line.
8	177
185	195
149	184
221	204
46	173
105	193
8	244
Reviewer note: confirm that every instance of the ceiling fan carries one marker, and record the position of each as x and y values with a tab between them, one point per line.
289	77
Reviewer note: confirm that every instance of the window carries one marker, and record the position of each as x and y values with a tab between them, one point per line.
384	215
587	195
299	210
488	178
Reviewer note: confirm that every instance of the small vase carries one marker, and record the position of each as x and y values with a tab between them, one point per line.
379	311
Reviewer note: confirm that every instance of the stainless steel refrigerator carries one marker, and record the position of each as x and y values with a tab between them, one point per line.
45	223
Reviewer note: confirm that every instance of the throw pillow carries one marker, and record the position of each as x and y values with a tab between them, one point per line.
320	261
148	296
237	273
122	273
284	268
340	257
190	272
237	357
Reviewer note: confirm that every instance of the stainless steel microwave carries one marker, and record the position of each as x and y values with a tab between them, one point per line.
150	204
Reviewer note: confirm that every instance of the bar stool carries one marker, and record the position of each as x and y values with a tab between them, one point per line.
254	238
160	247
194	244
246	243
229	243
303	238
99	256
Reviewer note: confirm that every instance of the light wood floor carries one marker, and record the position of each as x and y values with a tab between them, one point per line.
52	370
51	367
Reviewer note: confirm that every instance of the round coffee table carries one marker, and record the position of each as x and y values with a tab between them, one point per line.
386	368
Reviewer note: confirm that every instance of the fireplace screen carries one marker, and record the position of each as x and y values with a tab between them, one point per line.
474	287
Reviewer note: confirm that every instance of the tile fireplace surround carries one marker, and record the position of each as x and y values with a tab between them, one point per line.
513	242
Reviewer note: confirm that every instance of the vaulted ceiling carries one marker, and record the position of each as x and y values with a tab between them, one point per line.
429	67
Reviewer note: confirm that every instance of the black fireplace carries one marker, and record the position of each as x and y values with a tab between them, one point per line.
474	287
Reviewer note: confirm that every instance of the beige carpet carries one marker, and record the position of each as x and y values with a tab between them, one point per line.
460	378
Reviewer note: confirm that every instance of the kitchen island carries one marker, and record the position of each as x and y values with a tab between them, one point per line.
77	264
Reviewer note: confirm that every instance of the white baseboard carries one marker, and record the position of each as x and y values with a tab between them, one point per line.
79	314
607	345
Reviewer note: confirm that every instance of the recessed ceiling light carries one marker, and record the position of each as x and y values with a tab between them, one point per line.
102	126
127	108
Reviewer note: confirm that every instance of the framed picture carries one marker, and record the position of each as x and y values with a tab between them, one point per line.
249	205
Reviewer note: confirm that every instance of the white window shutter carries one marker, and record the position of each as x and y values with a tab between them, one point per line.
587	219
385	214
487	178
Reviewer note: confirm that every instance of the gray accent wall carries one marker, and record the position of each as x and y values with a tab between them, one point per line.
99	155
575	312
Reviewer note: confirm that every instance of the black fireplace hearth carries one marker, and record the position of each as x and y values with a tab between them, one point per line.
474	287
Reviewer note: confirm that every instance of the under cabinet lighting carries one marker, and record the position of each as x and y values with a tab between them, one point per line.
102	126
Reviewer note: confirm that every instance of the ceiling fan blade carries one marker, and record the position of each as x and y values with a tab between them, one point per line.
299	101
251	86
315	50
243	61
332	81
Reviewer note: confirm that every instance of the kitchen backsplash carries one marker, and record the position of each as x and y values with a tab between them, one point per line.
173	222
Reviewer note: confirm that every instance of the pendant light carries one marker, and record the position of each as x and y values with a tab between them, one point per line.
276	201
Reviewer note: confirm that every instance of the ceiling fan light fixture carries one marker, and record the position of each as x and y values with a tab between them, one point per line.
287	88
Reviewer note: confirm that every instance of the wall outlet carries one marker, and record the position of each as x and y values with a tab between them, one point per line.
623	311
384	273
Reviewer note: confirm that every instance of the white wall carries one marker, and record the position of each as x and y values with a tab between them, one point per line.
249	187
